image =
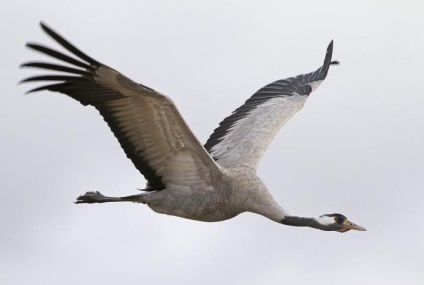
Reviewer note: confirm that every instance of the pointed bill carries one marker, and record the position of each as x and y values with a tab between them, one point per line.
348	225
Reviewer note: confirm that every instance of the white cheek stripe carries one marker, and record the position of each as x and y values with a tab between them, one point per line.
326	220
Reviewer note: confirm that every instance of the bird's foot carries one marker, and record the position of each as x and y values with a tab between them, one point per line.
97	197
91	197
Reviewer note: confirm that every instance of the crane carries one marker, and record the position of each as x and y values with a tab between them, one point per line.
210	183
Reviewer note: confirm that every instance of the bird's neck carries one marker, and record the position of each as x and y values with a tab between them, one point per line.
262	203
274	212
304	222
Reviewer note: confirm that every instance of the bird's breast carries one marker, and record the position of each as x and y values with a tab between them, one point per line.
207	207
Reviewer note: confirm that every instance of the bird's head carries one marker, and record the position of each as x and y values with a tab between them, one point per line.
338	222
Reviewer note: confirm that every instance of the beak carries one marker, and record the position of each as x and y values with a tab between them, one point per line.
348	225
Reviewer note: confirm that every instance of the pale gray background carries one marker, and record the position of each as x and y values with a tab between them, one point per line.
355	148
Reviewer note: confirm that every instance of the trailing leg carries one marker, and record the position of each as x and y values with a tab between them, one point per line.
97	197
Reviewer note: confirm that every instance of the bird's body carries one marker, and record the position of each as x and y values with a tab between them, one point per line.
220	203
211	183
234	191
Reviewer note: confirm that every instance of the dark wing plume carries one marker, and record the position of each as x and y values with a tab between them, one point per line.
146	123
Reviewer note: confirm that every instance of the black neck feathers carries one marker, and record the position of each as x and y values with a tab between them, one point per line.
304	222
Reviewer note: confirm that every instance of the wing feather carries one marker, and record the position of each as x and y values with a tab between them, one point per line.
243	137
146	123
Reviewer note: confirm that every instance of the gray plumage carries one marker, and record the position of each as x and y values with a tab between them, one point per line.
211	183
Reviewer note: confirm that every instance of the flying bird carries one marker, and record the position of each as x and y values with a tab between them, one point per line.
214	182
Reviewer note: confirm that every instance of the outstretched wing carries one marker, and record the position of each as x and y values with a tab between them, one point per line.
242	138
146	123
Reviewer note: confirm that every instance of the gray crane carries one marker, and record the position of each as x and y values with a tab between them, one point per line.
214	182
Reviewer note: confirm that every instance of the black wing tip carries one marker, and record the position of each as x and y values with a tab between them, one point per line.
31	45
43	25
25	64
35	90
328	55
30	64
330	50
48	30
67	45
28	79
327	61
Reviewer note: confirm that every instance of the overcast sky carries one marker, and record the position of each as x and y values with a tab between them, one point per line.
355	148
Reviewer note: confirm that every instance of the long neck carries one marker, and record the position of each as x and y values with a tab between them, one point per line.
304	222
261	202
277	214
